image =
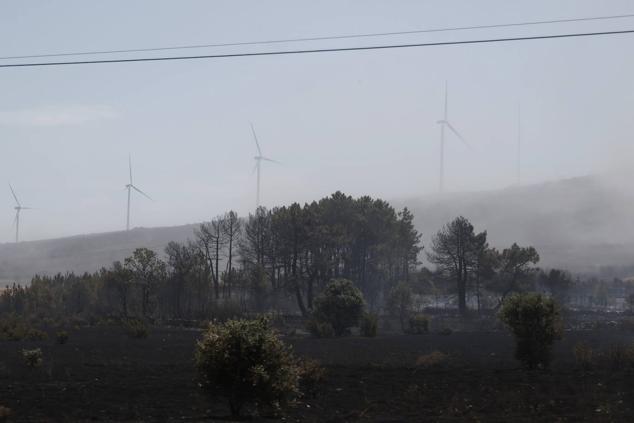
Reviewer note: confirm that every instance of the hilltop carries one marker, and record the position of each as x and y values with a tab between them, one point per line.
582	224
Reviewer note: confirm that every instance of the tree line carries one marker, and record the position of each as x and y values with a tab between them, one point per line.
282	258
274	257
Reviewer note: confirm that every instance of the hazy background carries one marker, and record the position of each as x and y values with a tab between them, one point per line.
360	122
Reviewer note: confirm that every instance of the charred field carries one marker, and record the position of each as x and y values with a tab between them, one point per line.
102	374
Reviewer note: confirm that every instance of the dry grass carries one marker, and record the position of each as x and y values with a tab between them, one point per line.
432	359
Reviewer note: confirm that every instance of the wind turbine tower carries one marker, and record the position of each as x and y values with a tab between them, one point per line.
130	186
444	123
258	165
519	145
18	208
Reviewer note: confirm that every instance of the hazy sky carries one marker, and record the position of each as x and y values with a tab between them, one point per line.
360	122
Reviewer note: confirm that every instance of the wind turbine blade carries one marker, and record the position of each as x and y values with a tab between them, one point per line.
15	220
14	196
130	166
141	192
269	160
255	137
254	168
457	133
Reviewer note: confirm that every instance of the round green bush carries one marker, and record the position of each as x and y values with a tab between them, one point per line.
369	325
341	304
246	362
536	323
418	324
320	329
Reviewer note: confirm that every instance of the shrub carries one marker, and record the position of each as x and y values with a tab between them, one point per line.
400	301
432	359
32	358
246	362
536	323
35	335
369	325
584	355
418	324
320	329
61	337
341	304
311	376
15	329
136	328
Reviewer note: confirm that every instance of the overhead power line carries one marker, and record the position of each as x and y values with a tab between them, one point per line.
322	50
323	38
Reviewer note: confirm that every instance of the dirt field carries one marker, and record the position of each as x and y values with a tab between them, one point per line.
101	374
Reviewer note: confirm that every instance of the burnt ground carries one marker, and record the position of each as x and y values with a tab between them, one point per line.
101	374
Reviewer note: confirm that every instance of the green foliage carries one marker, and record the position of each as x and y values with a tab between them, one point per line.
418	324
559	283
400	302
455	250
61	337
146	271
536	323
311	376
257	260
17	329
136	328
515	271
341	304
320	329
246	362
369	325
32	358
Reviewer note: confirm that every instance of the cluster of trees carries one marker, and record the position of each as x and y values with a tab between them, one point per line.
464	257
283	254
299	249
283	258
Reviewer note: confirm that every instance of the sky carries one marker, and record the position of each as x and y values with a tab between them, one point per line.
359	122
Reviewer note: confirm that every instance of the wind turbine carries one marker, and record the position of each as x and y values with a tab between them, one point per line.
444	123
519	145
258	164
131	187
18	208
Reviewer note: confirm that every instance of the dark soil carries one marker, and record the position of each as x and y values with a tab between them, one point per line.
101	374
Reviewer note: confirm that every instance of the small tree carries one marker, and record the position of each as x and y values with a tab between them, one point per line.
341	305
559	283
246	362
536	323
400	303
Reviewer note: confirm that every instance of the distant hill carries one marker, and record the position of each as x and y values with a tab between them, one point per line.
583	224
83	253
